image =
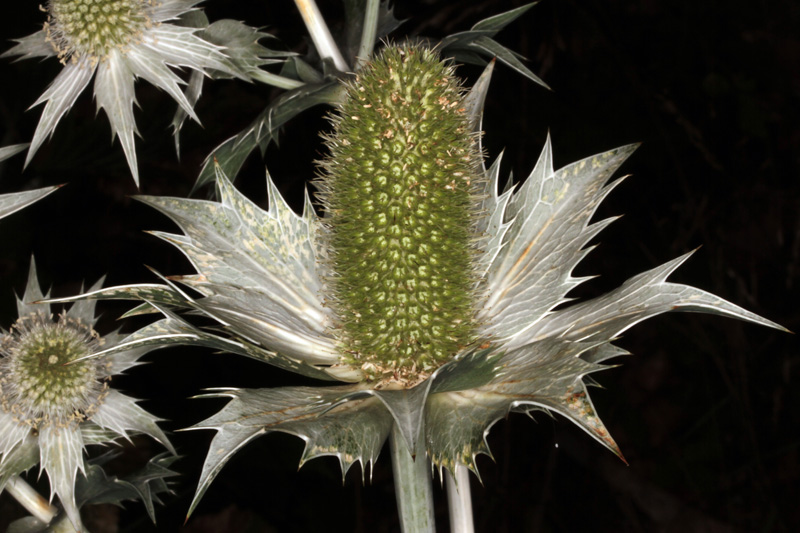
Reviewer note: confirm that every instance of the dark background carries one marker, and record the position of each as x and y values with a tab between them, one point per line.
705	411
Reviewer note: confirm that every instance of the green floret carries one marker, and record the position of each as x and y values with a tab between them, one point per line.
398	187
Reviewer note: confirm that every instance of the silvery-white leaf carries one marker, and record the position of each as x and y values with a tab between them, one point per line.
94	434
336	421
173	330
180	46
495	23
120	414
491	226
33	293
240	43
603	352
19	459
641	297
61	455
488	47
474	101
548	229
154	292
154	69
258	269
12	434
192	94
58	99
477	46
34	45
83	310
254	315
164	11
9	151
543	376
114	92
13	202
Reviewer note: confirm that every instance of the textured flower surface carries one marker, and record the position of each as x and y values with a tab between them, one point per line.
55	397
116	41
314	294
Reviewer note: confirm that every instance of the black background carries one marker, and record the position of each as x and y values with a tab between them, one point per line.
705	411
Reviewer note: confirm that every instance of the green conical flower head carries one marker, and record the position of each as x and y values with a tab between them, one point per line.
398	188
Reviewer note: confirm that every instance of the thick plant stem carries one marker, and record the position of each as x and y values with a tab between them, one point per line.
412	485
31	500
368	32
459	501
320	34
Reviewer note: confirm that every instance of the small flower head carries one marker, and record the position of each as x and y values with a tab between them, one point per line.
55	394
115	42
44	378
77	28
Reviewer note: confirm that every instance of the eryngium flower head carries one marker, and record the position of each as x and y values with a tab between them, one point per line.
119	41
398	186
55	394
362	293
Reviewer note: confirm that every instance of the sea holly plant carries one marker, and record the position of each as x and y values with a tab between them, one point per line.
56	399
428	299
114	42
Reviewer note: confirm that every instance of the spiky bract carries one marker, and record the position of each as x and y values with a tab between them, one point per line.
398	186
261	274
12	202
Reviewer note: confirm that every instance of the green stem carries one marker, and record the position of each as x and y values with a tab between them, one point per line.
459	501
31	500
281	82
320	34
368	32
412	485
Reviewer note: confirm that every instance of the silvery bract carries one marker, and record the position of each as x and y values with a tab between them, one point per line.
55	394
13	202
116	41
262	275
